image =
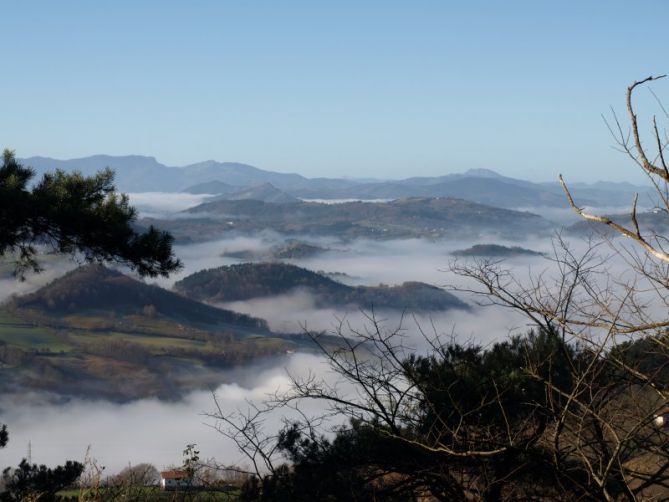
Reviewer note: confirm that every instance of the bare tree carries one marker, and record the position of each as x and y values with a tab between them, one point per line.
600	434
630	142
566	412
619	320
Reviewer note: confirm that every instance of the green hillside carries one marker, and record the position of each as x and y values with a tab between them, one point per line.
97	333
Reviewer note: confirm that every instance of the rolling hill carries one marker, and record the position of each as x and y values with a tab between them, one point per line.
253	280
291	249
495	251
431	218
96	333
93	289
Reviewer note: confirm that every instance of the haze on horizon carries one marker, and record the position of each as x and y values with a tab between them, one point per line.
380	89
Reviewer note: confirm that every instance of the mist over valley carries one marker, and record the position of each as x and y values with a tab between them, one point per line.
334	251
120	363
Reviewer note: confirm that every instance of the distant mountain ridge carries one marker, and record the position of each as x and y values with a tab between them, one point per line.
425	217
136	173
212	187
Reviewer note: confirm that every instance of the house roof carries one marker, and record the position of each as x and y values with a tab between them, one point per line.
174	475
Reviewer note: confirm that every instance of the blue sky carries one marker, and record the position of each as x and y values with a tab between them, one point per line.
347	88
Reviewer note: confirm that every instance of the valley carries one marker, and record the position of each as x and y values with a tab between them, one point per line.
96	333
264	273
430	218
334	251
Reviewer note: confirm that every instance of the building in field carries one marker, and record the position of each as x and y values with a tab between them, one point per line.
175	480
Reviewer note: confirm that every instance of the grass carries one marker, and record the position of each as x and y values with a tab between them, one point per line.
125	323
268	342
15	331
151	493
120	357
28	333
150	341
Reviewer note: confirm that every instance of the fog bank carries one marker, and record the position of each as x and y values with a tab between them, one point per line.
164	204
142	431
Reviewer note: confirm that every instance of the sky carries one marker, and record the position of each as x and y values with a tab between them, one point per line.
381	89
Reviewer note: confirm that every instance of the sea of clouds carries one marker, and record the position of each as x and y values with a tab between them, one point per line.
153	431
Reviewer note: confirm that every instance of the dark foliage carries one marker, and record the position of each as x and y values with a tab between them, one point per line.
94	287
476	433
649	356
143	474
495	251
38	483
569	413
292	250
71	213
500	423
251	280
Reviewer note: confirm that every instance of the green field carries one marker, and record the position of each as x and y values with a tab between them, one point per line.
156	342
15	331
149	493
120	357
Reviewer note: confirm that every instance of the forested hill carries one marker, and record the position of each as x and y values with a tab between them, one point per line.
495	251
254	280
96	333
402	218
97	289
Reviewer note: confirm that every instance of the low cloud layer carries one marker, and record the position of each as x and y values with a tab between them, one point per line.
52	270
164	205
141	431
157	432
296	312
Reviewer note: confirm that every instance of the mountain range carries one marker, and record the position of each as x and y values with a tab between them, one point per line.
136	173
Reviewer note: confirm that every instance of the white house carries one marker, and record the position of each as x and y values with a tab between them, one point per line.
175	480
